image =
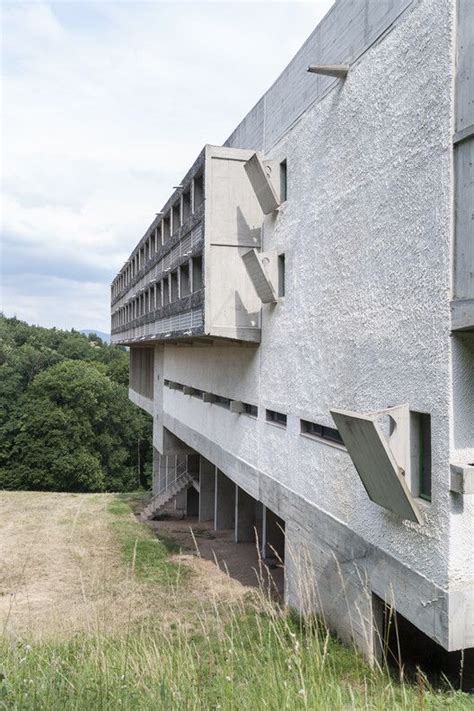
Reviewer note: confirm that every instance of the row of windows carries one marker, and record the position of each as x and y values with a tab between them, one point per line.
313	429
420	426
189	201
225	402
183	281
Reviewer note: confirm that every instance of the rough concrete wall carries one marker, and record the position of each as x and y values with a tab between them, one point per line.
345	33
369	198
367	237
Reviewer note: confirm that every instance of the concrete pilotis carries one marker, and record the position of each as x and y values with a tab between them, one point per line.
273	535
244	516
207	490
224	502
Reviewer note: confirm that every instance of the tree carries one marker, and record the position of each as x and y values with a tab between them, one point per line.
67	424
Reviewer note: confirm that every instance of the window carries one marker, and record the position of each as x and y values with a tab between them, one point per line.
281	275
166	227
222	401
158	294
420	434
184	286
277	418
186	205
166	291
176	217
330	434
283	189
197	393
198	191
197	273
174	286
251	410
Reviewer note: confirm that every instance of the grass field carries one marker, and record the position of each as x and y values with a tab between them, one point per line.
96	613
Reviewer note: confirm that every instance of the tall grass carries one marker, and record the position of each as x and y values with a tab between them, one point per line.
246	654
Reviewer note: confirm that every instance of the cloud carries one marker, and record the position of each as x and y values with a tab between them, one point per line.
105	107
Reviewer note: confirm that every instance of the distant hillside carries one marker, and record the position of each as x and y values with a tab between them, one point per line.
104	336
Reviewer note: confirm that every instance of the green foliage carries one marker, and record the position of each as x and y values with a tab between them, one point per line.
66	423
143	551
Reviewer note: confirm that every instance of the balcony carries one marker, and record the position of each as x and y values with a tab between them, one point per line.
186	277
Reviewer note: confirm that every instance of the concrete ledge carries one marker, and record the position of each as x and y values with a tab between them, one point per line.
462	315
462	479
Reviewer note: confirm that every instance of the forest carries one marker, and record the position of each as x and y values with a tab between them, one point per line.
66	423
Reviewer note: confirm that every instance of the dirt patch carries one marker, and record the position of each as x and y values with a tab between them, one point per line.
220	559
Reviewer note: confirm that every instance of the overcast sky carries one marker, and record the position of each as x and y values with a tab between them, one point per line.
104	108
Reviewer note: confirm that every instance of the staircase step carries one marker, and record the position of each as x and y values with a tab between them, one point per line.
159	500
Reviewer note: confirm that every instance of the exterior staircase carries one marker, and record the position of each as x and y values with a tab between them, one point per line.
163	497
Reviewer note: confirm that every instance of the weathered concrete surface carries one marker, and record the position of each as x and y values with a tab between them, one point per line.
365	324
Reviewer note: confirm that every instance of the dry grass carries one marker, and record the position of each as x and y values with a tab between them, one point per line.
62	570
97	614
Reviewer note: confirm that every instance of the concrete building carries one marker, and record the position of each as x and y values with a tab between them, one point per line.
300	317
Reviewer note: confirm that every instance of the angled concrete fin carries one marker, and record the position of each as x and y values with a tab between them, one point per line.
236	406
375	463
254	263
329	70
261	183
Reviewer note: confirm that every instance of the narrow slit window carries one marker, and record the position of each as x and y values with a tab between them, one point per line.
420	425
277	418
283	181
313	429
281	275
222	401
251	410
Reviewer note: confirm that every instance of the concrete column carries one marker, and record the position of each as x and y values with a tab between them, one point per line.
273	537
207	490
244	516
224	502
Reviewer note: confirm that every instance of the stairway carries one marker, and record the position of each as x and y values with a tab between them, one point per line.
183	481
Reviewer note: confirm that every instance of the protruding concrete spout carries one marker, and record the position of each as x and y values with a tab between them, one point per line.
330	70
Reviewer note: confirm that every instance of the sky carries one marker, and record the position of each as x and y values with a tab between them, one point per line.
105	106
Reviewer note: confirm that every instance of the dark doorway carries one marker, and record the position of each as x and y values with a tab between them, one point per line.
192	502
408	649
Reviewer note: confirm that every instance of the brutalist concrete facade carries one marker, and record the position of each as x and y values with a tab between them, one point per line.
371	255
